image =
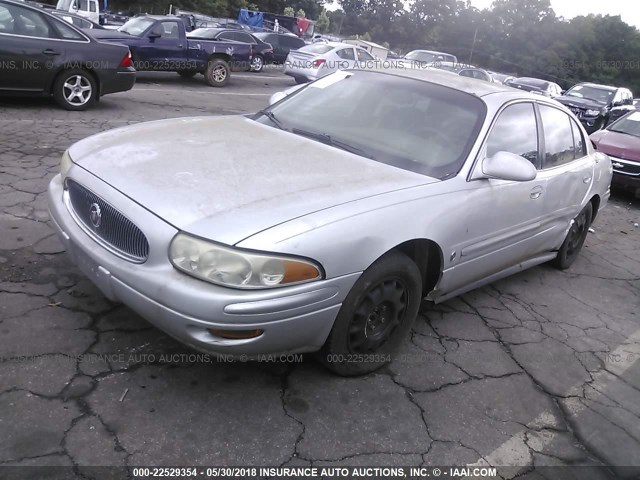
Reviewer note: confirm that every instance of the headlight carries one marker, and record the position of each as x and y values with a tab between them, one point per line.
236	268
65	163
592	113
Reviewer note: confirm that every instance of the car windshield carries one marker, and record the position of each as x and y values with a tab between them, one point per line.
629	125
318	48
590	93
421	56
416	125
136	26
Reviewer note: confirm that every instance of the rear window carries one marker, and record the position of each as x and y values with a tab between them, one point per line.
318	48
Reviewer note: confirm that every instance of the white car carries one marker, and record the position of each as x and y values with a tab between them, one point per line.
320	59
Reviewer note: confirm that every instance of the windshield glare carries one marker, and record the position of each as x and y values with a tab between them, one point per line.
415	125
592	93
629	125
136	26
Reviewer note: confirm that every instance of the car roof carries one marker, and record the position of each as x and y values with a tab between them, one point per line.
479	88
432	51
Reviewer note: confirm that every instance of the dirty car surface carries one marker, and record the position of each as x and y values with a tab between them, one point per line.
324	231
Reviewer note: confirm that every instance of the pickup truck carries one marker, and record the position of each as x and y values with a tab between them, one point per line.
160	43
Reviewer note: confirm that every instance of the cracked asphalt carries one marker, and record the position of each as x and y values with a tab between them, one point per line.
540	369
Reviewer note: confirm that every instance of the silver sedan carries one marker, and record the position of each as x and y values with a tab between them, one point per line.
320	223
320	59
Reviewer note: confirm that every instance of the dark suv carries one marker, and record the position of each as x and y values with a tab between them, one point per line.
597	105
282	44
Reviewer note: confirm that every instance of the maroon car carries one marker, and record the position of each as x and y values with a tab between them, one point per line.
621	141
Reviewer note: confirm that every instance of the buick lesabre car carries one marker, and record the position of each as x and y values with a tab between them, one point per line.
325	229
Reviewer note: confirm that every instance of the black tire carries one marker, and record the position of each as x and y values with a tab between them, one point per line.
217	73
75	89
575	239
301	80
375	317
257	63
187	73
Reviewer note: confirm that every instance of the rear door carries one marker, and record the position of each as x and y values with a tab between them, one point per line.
346	59
567	169
31	49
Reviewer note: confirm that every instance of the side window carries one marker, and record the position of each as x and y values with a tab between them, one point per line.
363	56
578	141
346	53
7	23
515	131
66	32
92	6
30	23
243	37
82	5
466	73
558	137
170	30
226	36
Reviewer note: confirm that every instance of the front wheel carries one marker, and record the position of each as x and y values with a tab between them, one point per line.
375	317
257	63
217	73
75	90
575	239
301	80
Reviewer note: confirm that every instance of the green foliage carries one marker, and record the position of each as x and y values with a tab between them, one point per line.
521	37
289	11
323	22
300	13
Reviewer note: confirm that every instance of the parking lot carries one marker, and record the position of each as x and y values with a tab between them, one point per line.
542	368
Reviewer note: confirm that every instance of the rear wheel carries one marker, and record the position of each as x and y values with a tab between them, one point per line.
217	73
575	239
187	73
257	63
375	317
75	89
300	80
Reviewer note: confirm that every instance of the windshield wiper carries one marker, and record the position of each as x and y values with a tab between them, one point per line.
271	116
328	140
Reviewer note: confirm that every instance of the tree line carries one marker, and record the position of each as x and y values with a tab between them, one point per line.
520	37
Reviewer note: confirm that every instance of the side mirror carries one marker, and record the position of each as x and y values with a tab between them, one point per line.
154	35
508	166
276	97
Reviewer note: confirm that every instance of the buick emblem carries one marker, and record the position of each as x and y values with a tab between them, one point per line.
617	165
95	215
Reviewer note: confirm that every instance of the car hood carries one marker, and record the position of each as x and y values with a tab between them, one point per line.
227	178
580	102
617	144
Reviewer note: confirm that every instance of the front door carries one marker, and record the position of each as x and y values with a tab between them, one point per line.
502	218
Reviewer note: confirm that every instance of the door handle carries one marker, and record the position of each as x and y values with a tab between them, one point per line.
586	179
49	51
536	192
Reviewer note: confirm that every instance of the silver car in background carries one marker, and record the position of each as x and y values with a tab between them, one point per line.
320	59
321	222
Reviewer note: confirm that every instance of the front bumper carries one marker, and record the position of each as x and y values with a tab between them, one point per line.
294	319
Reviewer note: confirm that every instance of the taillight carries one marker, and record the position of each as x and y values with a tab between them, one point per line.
318	63
126	61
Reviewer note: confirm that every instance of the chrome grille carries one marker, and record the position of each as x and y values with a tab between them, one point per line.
107	224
